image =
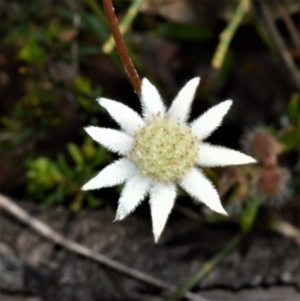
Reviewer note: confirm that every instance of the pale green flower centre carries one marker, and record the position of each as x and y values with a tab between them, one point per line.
164	149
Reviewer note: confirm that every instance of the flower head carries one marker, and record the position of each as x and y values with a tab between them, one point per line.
262	146
160	149
272	183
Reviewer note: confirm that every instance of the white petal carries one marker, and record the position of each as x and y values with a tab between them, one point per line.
152	103
129	120
133	193
181	106
211	155
197	185
113	140
208	122
113	174
162	198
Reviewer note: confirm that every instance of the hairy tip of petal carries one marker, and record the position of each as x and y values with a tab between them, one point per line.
145	81
195	81
118	217
101	100
221	210
91	185
88	129
157	231
229	103
85	187
244	159
156	237
251	160
226	104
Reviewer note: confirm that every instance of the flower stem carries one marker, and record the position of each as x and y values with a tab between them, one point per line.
124	25
228	33
121	47
206	268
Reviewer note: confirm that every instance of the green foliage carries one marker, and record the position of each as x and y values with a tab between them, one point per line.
83	88
60	180
291	136
31	52
183	31
248	216
293	110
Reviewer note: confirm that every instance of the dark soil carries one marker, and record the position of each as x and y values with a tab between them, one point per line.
31	266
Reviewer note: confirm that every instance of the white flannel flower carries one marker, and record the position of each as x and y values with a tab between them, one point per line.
161	150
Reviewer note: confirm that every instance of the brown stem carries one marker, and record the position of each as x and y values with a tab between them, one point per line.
121	47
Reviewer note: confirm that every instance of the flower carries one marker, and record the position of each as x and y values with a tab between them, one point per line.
161	150
263	146
272	184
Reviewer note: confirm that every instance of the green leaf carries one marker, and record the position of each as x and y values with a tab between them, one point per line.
22	136
291	138
215	218
102	156
54	172
77	203
64	167
248	215
60	193
88	148
183	31
32	52
92	201
94	25
54	197
42	165
264	36
293	109
76	154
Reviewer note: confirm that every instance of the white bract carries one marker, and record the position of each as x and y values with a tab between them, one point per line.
161	150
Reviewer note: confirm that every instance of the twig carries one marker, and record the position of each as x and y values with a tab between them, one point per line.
206	268
121	47
283	51
129	16
284	228
74	46
44	230
6	136
294	33
228	33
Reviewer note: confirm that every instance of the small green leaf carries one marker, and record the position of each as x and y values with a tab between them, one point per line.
92	201
50	199
32	52
215	218
94	25
88	148
248	215
102	156
54	172
60	193
293	109
64	167
75	154
42	165
77	203
291	138
183	31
